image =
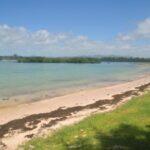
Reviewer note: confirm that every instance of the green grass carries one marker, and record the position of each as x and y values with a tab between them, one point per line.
127	128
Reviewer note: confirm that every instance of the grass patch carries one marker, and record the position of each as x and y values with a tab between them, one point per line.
127	128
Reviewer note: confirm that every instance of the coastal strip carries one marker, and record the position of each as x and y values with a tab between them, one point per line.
26	127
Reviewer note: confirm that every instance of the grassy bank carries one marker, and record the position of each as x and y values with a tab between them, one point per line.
125	128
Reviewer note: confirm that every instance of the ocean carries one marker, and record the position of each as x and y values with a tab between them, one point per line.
35	81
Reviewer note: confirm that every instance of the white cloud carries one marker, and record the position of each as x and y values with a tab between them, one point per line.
141	32
21	41
42	42
123	37
143	28
21	38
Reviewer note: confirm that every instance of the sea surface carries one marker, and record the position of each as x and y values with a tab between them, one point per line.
35	81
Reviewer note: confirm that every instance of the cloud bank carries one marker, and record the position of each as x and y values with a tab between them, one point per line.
21	41
141	32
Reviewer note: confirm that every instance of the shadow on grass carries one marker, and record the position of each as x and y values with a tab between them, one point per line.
126	137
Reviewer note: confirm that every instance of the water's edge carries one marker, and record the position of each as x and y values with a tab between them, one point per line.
20	83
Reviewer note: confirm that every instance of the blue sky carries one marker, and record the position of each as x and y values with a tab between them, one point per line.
96	23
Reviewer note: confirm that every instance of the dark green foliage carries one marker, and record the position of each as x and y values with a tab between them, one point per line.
124	59
35	59
60	60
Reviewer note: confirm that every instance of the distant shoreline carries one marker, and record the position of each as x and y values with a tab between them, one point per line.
82	59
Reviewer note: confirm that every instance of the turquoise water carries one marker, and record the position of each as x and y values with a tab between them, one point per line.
35	78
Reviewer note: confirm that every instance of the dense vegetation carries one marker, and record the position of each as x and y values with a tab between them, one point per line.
124	59
21	59
60	60
127	128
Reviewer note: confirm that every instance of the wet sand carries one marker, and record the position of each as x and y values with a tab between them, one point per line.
24	121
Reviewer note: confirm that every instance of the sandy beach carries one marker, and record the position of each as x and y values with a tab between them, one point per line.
24	121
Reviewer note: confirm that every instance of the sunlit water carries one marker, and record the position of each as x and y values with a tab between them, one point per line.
37	80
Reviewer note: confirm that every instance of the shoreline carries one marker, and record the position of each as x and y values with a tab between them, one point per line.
12	95
27	120
10	101
44	95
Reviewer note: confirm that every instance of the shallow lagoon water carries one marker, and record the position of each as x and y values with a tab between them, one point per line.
41	80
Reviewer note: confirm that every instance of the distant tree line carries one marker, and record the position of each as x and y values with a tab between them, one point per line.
60	60
21	59
124	59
